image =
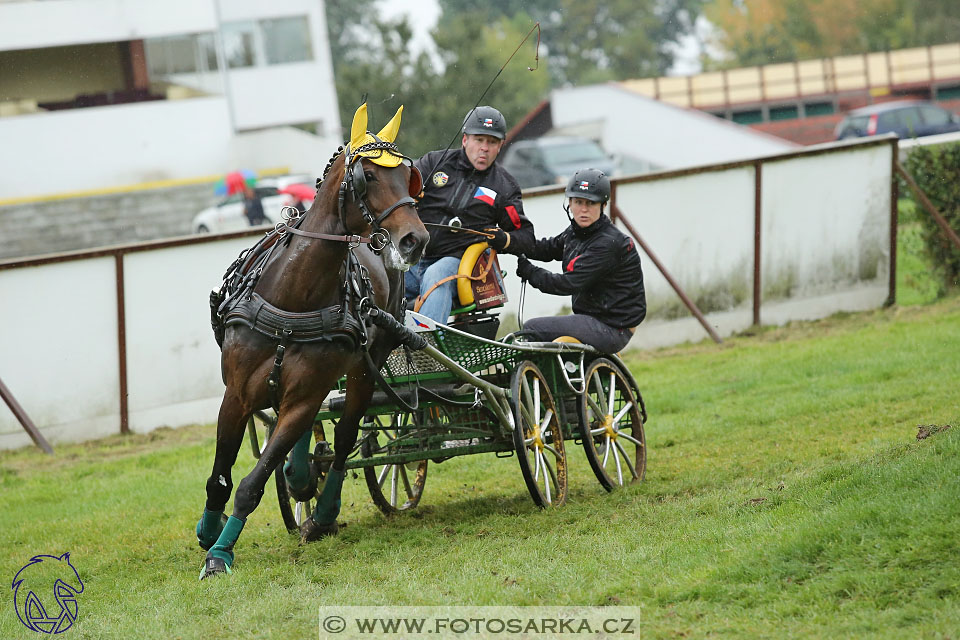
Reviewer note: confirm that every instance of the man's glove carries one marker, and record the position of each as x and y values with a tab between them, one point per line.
525	268
500	239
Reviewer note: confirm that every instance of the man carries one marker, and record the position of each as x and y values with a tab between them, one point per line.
466	187
253	207
601	270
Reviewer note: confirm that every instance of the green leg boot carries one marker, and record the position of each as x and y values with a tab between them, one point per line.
323	521
209	527
220	557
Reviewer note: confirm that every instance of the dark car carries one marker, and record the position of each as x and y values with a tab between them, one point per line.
553	159
907	119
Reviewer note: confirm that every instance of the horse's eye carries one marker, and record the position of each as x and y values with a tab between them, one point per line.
369	175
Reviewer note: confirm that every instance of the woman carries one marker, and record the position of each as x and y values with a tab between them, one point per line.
601	270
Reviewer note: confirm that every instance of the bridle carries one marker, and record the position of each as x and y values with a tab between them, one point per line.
354	186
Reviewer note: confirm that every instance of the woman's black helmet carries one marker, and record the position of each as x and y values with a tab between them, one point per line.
589	184
485	121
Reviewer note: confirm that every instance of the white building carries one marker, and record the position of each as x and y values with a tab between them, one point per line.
646	134
96	94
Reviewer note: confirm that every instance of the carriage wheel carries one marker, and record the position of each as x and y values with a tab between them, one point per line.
538	438
393	487
611	426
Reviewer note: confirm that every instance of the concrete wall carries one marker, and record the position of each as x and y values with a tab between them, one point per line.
826	216
825	240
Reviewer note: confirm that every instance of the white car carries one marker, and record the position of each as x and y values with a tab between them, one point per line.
227	215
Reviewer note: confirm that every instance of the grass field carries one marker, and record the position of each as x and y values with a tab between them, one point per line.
787	496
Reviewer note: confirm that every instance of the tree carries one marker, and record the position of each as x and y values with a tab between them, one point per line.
590	41
584	42
473	57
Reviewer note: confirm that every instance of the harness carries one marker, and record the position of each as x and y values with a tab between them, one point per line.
236	302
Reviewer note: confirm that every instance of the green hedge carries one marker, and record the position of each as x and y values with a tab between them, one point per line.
937	171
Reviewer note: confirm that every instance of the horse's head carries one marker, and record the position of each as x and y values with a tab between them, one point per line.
381	185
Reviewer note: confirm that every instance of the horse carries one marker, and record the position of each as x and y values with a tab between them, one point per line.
296	321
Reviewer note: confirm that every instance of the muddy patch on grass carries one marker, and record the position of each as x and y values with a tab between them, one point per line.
924	431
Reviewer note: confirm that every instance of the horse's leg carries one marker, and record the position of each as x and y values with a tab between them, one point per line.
230	424
293	420
323	521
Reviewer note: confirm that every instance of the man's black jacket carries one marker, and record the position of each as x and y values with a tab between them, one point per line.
453	188
601	270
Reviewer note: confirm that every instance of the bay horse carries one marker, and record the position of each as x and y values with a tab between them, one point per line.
294	322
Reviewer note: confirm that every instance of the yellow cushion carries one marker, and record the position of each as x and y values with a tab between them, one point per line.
570	339
467	263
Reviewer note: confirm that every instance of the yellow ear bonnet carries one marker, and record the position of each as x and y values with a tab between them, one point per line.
359	136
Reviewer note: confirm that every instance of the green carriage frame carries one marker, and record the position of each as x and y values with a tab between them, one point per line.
481	396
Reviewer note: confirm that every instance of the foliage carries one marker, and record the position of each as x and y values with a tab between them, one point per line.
375	63
590	41
755	32
918	281
584	42
786	495
935	169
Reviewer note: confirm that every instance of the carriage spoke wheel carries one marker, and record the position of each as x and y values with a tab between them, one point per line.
393	487
538	438
612	427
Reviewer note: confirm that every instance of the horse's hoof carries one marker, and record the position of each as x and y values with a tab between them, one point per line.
308	492
214	567
311	531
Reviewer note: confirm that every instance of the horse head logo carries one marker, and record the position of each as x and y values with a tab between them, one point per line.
45	593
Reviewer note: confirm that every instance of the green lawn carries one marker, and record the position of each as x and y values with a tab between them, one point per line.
786	495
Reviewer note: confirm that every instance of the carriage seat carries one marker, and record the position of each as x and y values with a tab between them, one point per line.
568	339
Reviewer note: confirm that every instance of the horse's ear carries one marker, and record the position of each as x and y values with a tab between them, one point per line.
359	129
389	132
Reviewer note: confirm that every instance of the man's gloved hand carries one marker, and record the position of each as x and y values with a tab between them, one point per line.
500	239
525	268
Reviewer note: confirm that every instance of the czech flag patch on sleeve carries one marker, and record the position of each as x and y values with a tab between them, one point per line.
486	195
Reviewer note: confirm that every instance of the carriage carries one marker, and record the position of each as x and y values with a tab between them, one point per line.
467	394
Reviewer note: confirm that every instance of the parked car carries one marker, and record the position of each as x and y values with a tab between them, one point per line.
906	118
553	159
227	215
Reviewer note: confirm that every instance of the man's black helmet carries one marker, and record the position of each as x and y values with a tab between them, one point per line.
485	121
589	184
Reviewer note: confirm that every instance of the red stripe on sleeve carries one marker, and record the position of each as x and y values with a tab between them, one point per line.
570	264
514	216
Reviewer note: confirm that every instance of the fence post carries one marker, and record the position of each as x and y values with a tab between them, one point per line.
618	216
757	222
24	419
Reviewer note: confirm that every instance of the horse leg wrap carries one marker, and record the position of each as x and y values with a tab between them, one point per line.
209	527
328	504
223	549
297	468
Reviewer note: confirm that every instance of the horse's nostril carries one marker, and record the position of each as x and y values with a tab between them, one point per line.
411	246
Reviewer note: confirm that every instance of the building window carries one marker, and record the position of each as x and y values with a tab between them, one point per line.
207	45
240	44
286	40
180	54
